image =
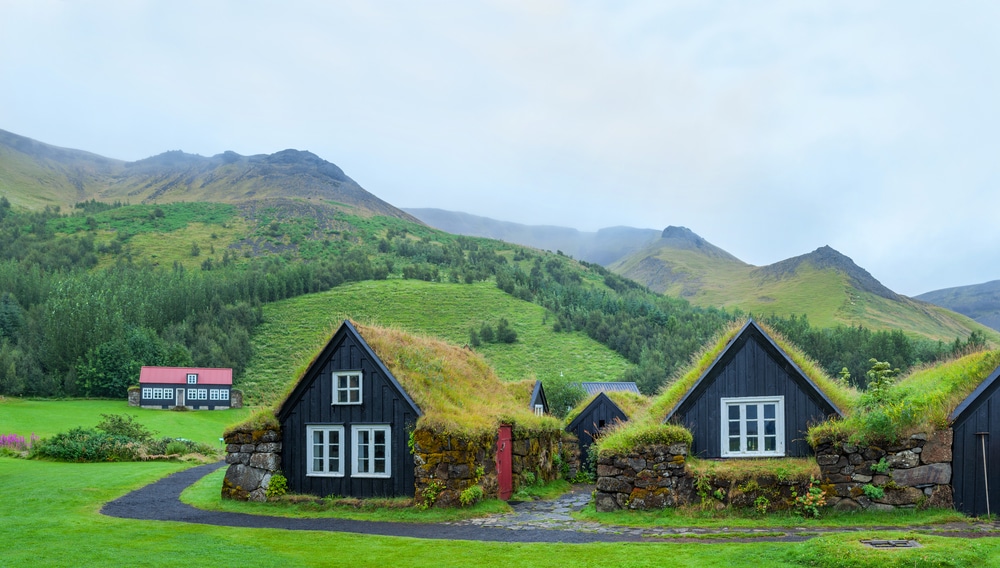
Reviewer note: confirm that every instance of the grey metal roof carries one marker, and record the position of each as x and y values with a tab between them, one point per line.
593	388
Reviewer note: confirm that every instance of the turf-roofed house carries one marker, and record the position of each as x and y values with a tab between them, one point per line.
746	396
930	439
196	388
383	413
752	401
607	404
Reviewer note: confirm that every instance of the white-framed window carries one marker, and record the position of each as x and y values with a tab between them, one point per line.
192	378
325	451
753	426
347	387
160	393
197	394
218	394
371	451
147	392
539	409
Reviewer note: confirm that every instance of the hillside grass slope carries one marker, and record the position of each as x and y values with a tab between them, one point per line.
295	329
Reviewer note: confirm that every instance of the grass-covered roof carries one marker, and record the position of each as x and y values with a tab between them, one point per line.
674	391
632	404
919	402
648	426
455	388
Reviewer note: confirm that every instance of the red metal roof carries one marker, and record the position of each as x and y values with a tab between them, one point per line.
178	375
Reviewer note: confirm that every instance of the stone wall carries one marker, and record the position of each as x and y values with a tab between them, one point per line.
445	464
235	398
569	451
651	477
253	457
134	396
918	473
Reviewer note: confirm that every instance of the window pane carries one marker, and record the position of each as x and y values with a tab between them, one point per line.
363	450
355	395
355	381
752	444
769	411
341	382
734	428
752	428
770	443
734	444
734	412
751	412
341	396
769	428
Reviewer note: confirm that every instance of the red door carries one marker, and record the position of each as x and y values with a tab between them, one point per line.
504	453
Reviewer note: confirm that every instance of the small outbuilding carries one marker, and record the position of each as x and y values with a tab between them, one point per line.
976	449
538	403
197	388
751	401
598	412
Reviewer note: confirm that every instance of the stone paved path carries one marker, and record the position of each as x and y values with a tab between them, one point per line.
537	521
556	515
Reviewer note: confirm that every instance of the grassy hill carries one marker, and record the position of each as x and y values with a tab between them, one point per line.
825	285
980	302
34	174
295	329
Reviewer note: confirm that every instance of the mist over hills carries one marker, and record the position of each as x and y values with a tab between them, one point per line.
602	247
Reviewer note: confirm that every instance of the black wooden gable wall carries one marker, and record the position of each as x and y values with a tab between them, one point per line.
751	366
600	413
383	402
980	412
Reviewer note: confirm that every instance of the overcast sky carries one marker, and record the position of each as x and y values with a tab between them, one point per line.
769	128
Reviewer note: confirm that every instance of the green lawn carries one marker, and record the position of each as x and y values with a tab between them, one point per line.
50	517
295	329
49	417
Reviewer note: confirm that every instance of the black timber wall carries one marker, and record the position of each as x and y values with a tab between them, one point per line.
600	411
382	403
969	485
751	367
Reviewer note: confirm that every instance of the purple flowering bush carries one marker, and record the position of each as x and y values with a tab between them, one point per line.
12	444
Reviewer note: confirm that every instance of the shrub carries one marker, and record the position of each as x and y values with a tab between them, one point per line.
873	491
124	425
470	495
88	445
176	447
277	486
809	503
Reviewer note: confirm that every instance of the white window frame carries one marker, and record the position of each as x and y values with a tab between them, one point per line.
539	410
197	394
759	402
218	394
192	378
341	446
348	389
356	453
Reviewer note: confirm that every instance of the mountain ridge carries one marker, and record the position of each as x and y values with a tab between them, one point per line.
50	175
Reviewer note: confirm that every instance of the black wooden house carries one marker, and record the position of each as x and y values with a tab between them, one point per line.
597	414
346	424
976	449
752	401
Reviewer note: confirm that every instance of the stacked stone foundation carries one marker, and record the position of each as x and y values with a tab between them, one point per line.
445	465
917	473
651	477
253	457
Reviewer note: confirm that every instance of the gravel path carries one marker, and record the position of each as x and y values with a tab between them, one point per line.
539	521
